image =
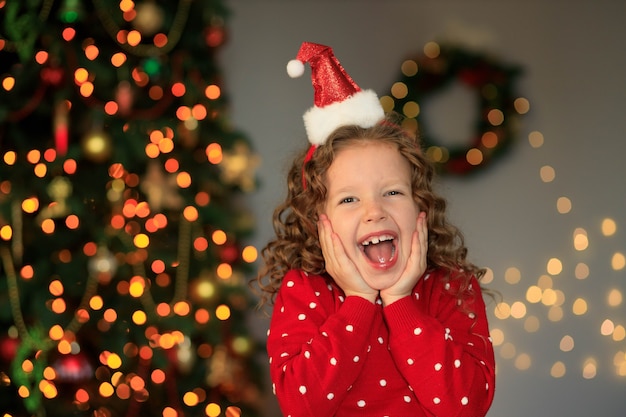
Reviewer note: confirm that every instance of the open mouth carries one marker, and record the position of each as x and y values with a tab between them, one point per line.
379	250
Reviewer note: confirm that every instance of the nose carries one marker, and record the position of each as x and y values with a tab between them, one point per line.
374	211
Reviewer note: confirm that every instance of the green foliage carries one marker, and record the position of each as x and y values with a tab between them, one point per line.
72	220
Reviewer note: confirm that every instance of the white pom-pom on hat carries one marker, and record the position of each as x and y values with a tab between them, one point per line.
295	68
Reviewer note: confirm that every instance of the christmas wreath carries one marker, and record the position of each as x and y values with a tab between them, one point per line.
498	107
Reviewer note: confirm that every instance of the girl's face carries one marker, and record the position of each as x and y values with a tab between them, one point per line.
370	206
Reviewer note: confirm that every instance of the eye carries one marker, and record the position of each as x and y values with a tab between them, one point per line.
394	192
347	200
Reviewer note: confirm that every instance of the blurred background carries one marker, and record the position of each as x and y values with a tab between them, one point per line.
145	144
547	216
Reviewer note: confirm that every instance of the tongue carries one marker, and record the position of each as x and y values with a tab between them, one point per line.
379	252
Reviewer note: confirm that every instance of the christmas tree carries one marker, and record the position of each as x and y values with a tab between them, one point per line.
123	266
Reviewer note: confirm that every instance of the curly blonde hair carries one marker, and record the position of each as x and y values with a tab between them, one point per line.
296	244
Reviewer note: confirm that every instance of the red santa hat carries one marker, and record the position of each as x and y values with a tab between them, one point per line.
338	100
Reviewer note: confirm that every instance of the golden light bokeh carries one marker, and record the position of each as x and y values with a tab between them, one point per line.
547	173
222	312
56	287
522	105
495	117
139	317
563	205
497	336
590	369
8	83
432	49
6	232
141	215
581	241
409	68
518	310
558	370
212	410
555	298
249	254
224	271
608	227
523	361
106	390
411	109
399	90
512	275
579	307
532	324
618	261
212	92
581	271
474	156
9	158
614	297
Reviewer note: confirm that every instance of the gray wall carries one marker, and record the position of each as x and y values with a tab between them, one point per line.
574	58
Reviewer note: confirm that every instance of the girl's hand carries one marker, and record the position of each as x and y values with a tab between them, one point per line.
415	267
339	265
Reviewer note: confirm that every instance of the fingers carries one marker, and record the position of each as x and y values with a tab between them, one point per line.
324	234
332	249
422	230
419	247
339	265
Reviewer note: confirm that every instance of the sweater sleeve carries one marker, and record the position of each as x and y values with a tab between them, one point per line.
444	351
316	353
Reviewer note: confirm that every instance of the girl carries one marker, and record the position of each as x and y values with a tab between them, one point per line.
377	311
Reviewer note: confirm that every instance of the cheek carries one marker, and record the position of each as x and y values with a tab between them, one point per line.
345	229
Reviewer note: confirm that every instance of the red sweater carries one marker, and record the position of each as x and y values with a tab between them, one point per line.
423	355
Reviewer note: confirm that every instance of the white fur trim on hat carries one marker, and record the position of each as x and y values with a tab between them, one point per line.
362	108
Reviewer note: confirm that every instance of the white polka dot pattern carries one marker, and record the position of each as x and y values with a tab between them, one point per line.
330	354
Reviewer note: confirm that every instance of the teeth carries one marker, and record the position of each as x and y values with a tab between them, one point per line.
377	239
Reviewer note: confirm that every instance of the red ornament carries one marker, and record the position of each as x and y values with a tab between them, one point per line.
73	368
124	97
61	127
214	36
52	76
8	348
229	253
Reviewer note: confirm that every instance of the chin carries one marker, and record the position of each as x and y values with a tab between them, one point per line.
380	283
